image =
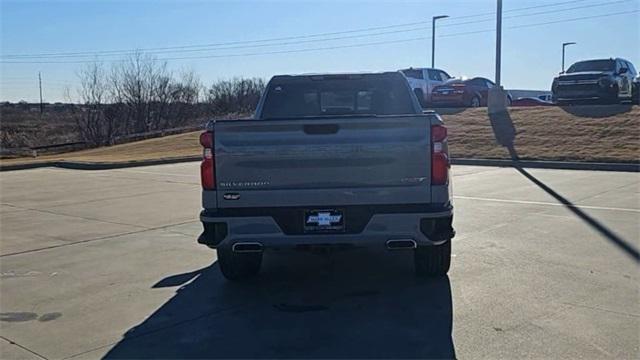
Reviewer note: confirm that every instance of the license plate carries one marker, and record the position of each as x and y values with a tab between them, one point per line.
445	93
327	220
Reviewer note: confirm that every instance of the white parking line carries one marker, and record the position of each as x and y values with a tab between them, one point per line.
545	203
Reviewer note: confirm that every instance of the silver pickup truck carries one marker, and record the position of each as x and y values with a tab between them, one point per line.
328	160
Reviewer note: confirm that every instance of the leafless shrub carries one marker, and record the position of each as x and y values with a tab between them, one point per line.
238	95
176	100
138	95
92	123
13	139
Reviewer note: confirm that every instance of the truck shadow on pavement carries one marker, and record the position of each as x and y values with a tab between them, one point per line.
505	134
357	303
595	224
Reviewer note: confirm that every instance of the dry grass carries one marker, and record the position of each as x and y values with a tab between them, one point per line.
24	128
165	147
586	133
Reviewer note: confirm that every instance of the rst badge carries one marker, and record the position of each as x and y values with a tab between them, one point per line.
324	220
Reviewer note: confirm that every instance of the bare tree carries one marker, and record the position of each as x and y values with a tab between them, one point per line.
136	95
66	94
132	81
183	97
93	126
238	95
153	99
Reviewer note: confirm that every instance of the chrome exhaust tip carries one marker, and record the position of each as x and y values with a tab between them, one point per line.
246	247
401	244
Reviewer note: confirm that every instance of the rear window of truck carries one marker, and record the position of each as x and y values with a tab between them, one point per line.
309	97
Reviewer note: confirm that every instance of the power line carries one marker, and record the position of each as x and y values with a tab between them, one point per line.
129	51
17	78
345	46
574	19
327	39
406	40
521	9
607	3
30	80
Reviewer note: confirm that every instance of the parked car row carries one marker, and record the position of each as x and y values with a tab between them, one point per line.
600	80
436	88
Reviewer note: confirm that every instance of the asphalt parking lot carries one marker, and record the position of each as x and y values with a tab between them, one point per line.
105	264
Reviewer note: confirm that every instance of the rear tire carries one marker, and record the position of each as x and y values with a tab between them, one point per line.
475	102
433	260
238	266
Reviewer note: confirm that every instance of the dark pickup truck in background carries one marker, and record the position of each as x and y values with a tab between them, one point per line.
328	160
604	80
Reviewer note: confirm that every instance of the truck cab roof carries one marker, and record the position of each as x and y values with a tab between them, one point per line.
421	68
327	76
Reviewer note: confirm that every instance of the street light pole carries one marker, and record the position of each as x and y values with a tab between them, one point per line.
498	41
564	45
433	37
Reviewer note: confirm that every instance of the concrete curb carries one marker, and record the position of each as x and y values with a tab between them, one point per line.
563	165
560	165
76	165
81	165
27	166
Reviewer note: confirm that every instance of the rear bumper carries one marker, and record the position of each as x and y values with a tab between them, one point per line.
450	100
426	228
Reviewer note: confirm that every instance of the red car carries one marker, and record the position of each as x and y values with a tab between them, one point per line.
471	93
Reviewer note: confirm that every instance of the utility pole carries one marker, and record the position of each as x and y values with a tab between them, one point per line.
564	45
40	85
433	38
498	41
497	101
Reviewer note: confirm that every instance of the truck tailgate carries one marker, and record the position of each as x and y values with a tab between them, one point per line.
323	161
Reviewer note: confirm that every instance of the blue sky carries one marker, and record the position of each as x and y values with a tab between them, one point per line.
531	55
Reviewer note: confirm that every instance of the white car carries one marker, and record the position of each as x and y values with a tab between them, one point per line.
546	97
423	80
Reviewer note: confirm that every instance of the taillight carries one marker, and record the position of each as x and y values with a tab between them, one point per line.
206	140
459	88
207	167
439	155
